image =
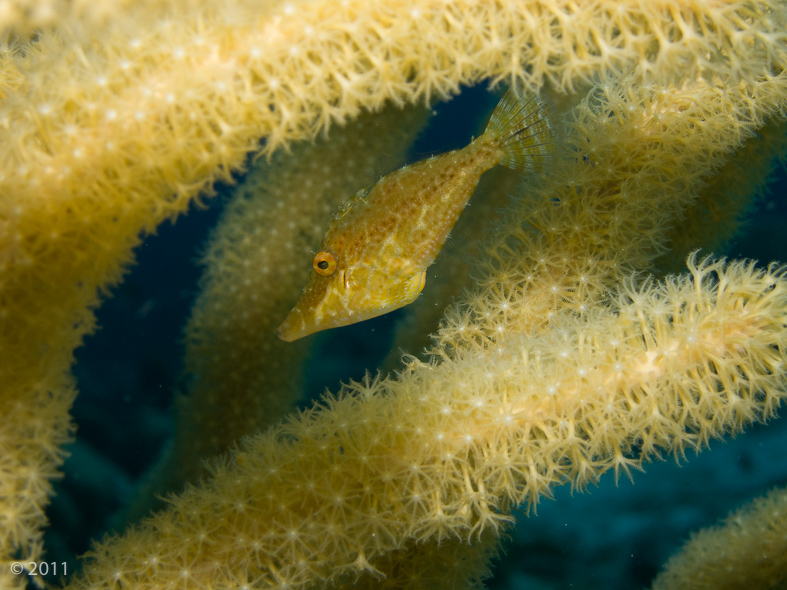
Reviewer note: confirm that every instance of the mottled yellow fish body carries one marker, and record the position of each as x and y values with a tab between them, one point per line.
374	255
384	241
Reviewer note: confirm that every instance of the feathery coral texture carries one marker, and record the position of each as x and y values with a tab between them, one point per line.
242	378
106	131
581	358
448	448
747	550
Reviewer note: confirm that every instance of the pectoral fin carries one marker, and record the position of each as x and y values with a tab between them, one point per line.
408	290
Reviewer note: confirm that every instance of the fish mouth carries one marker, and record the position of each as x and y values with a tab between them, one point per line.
289	331
295	326
284	333
298	325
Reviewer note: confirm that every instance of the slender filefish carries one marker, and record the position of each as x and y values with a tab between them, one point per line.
375	252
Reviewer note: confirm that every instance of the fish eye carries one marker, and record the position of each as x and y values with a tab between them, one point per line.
324	263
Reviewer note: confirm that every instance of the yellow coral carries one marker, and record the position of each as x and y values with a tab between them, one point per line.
747	550
242	378
447	449
108	130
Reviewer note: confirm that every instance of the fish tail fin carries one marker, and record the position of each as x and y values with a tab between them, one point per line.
525	127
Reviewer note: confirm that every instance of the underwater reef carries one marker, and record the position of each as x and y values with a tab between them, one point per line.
570	328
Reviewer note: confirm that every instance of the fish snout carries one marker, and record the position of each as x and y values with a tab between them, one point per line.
292	328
